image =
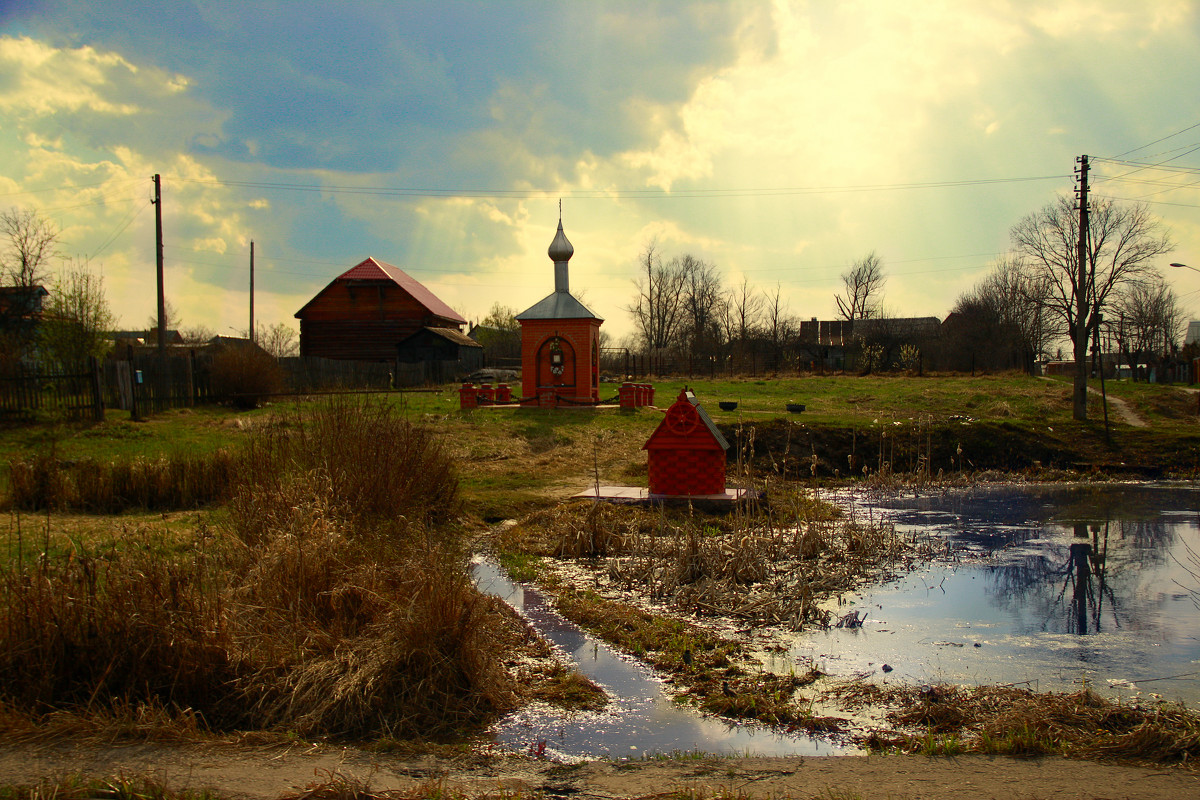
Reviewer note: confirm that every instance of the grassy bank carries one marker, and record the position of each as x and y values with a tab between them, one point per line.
300	569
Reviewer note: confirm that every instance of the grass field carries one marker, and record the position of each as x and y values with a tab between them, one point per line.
330	522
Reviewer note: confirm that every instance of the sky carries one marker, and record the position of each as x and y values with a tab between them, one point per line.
778	140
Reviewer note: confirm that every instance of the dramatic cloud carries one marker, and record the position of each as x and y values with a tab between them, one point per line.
780	140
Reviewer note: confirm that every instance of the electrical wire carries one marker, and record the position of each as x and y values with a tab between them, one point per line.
127	222
381	191
1156	141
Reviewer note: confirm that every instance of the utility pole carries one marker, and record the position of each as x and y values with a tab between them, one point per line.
1081	298
158	243
250	336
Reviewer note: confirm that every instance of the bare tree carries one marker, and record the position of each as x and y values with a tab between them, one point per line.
173	321
78	319
1004	318
701	298
658	307
746	308
196	334
31	244
1147	318
1121	244
777	323
280	340
862	287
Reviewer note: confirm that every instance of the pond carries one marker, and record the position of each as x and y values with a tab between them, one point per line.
1053	587
641	719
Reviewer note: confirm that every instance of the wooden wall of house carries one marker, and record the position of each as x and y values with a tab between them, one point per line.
378	300
362	321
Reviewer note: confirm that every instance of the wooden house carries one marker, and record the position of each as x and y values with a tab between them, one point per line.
365	313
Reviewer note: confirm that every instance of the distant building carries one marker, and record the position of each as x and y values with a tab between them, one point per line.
367	312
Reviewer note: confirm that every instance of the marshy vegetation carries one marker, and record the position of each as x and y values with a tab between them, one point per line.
322	590
1012	720
331	601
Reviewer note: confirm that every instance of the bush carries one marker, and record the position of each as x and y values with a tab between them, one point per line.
335	607
375	468
243	375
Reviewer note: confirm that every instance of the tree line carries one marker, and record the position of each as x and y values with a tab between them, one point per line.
54	311
1023	312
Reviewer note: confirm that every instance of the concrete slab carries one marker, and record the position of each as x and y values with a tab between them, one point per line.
641	495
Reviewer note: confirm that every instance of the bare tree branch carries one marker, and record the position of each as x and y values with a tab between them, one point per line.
862	286
32	243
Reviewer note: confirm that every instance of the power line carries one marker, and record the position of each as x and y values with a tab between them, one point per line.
61	187
127	222
467	192
1156	141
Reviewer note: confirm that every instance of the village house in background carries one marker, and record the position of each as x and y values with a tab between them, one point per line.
377	312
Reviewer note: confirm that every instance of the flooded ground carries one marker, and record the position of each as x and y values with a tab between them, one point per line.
641	719
1049	586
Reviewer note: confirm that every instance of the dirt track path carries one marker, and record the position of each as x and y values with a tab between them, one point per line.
273	773
1120	409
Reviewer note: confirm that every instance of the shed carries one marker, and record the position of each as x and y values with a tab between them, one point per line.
367	311
686	451
439	345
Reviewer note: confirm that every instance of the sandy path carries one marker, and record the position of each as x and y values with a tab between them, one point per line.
268	774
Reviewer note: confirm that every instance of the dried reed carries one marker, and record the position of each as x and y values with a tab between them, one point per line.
336	604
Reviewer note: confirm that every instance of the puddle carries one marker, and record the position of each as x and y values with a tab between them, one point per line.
641	719
1050	586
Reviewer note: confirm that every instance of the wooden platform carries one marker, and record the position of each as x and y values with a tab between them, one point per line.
641	495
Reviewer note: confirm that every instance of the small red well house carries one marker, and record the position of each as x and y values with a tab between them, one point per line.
686	451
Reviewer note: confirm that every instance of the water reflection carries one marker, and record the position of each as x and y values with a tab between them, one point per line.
641	718
1048	585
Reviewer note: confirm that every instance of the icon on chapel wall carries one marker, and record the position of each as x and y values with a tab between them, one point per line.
556	358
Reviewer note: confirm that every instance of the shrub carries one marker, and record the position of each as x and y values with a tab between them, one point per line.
334	608
243	375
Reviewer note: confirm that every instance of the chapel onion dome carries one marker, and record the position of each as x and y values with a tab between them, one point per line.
560	248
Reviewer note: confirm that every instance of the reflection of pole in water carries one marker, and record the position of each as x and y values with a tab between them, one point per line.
1083	576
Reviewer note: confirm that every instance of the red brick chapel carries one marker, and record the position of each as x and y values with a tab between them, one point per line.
560	342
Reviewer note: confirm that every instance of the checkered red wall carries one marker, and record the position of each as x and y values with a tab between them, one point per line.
687	472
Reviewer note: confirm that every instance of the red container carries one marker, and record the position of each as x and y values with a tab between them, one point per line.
467	396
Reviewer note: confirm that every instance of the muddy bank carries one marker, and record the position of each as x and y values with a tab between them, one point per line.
786	447
340	772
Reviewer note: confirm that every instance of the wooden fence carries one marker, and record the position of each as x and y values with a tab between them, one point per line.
27	395
143	384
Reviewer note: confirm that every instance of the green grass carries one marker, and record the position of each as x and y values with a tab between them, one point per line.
517	459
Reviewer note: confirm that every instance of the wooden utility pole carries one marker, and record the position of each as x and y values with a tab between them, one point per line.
1081	298
250	336
158	249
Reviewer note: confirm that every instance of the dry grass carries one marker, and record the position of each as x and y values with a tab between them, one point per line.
1019	722
177	481
771	566
333	604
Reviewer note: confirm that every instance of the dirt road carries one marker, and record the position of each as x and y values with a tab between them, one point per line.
276	772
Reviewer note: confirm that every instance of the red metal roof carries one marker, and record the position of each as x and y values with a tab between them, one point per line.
374	270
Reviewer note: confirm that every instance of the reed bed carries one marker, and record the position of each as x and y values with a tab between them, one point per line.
335	602
1015	721
173	482
776	565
